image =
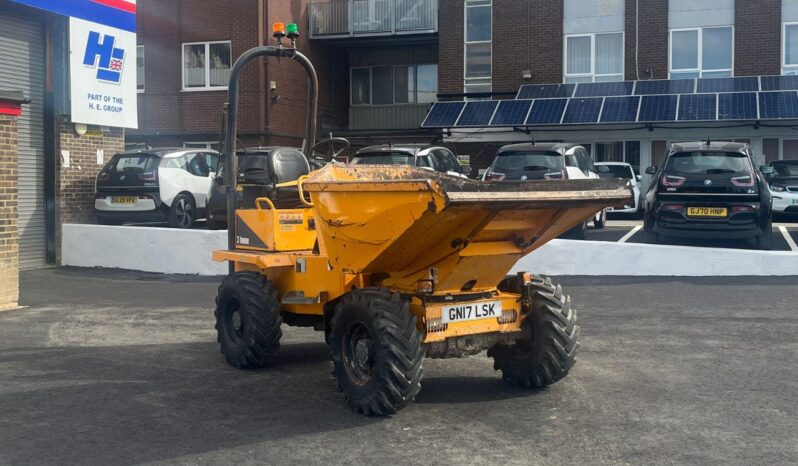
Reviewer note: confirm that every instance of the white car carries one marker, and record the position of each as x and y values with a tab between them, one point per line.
624	171
783	182
155	185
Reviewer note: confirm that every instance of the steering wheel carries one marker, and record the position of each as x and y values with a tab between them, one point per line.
329	149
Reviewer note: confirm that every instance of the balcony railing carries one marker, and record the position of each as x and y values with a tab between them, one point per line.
348	18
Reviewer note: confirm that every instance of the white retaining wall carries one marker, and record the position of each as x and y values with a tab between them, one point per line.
167	250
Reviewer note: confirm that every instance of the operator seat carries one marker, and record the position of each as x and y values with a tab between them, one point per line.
287	164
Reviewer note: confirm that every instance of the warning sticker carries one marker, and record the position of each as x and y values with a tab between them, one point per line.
290	219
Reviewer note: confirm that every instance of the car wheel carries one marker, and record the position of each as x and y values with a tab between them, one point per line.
215	224
649	236
601	221
109	221
577	232
764	241
183	212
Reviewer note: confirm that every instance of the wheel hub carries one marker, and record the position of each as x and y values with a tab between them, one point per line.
358	353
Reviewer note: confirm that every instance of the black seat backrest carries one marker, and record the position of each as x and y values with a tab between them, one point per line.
287	164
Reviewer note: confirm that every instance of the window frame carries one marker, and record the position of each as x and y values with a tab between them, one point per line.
393	84
207	145
140	55
700	52
784	65
592	75
481	80
207	86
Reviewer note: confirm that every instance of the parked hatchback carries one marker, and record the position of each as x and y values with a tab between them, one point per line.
155	185
708	190
439	159
547	161
783	179
623	171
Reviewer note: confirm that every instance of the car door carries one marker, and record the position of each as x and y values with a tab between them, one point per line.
197	167
572	164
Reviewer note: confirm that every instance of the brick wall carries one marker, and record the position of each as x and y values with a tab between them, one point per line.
450	46
9	246
757	24
652	53
74	190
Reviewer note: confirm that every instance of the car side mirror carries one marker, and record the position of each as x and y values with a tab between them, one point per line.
465	169
651	170
602	169
638	178
766	170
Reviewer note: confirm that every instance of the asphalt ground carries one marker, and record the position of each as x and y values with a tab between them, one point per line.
112	367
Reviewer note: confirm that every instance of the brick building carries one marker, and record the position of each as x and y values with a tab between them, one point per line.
38	191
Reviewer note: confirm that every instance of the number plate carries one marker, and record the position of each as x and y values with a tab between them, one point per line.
462	312
123	200
707	212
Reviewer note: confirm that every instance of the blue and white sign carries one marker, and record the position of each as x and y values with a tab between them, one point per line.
103	74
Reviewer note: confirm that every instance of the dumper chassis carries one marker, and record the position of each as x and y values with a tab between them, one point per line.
395	264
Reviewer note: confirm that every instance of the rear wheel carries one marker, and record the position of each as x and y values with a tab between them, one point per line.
765	240
600	221
649	235
577	232
376	351
215	224
547	349
183	212
247	320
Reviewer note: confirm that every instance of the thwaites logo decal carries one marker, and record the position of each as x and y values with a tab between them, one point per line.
102	54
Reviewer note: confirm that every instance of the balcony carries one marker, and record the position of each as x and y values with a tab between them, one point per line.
364	18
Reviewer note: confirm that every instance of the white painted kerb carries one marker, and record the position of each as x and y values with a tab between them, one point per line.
167	250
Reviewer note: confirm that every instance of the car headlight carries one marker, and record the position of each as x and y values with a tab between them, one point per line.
777	189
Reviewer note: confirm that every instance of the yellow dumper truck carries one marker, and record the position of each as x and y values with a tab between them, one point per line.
395	264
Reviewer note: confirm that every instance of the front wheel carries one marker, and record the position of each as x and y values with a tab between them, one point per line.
547	349
248	320
376	351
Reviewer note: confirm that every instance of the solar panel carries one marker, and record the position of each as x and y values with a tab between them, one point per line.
443	115
545	91
737	106
604	89
665	86
477	113
620	109
511	113
658	108
778	105
779	83
697	107
741	84
546	112
583	110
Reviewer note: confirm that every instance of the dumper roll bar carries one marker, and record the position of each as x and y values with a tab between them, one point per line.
229	148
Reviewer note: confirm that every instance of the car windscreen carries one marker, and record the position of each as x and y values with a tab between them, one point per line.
509	161
707	163
383	158
786	168
617	171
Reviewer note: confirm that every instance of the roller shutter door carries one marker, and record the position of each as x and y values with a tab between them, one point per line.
22	68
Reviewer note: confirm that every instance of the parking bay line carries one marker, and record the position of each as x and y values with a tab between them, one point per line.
631	233
788	238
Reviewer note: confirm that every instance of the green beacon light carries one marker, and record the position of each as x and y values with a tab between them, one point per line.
293	31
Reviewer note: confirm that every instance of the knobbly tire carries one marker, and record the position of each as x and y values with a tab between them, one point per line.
247	320
376	351
547	348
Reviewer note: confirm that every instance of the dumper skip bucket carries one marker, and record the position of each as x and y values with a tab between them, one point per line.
409	224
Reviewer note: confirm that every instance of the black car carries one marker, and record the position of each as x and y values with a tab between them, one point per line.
435	158
260	169
708	190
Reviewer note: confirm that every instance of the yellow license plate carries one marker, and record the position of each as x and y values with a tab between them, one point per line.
123	200
707	212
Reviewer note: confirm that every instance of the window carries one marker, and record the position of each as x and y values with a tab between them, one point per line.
478	48
140	68
702	53
400	84
594	58
618	151
789	64
206	66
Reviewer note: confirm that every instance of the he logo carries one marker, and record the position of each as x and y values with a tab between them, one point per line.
707	182
105	57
